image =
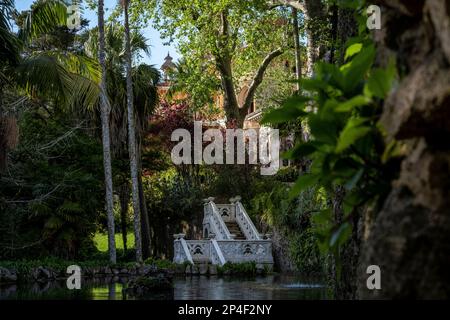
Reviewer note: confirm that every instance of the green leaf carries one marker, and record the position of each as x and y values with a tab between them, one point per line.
332	74
357	68
295	102
392	150
292	109
354	180
313	84
380	81
300	150
323	128
352	50
345	167
341	235
348	105
350	201
353	131
303	182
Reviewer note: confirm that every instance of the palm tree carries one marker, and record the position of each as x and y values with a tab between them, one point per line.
105	109
9	55
132	148
64	78
59	76
145	97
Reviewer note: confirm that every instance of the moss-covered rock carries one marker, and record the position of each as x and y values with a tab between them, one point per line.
146	285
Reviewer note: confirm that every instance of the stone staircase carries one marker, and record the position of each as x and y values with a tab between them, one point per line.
235	230
229	235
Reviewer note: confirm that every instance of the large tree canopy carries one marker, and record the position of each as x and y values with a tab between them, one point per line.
233	40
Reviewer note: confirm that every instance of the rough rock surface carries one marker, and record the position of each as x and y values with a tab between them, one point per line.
410	237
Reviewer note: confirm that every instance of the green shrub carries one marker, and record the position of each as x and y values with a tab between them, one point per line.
240	269
160	263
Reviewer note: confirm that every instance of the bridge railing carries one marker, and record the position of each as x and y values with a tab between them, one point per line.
237	251
215	222
227	212
245	223
181	250
219	252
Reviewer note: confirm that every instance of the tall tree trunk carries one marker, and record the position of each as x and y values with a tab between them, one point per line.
235	112
298	55
410	237
105	110
124	200
343	27
334	31
315	19
230	102
132	139
145	225
347	27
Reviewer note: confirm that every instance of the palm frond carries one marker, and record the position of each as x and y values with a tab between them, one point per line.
44	75
78	64
139	43
43	18
41	75
145	80
115	46
9	43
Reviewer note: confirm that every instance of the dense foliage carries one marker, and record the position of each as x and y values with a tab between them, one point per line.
51	194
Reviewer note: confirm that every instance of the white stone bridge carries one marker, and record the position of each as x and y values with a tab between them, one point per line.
229	235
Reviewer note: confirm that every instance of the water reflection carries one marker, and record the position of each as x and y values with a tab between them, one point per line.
185	288
264	288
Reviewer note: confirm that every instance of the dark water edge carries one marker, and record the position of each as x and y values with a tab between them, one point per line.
272	287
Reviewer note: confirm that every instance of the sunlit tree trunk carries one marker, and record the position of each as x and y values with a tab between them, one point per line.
132	147
105	110
315	17
145	224
124	200
298	57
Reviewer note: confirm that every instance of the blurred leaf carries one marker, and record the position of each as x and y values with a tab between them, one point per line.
354	180
332	75
350	201
357	68
303	182
323	128
288	112
300	150
296	101
352	50
312	84
341	235
380	81
354	130
348	105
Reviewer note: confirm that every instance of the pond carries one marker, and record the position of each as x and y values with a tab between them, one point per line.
273	287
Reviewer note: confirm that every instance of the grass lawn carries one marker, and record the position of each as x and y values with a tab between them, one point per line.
101	241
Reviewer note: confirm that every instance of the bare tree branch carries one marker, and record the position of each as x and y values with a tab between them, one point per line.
258	78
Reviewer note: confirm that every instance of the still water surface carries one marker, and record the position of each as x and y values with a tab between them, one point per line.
272	287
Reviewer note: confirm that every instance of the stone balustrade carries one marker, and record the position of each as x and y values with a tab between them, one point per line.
219	246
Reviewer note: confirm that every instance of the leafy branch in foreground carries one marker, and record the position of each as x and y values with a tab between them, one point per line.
342	106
